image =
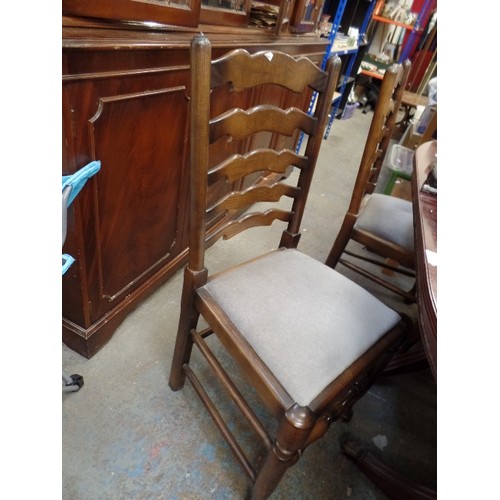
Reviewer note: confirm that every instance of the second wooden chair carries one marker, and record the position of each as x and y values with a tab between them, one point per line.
381	223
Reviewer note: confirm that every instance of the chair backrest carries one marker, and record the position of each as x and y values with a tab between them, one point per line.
380	132
241	156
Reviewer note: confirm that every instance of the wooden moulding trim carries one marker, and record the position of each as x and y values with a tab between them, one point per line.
95	26
87	341
127	38
118	74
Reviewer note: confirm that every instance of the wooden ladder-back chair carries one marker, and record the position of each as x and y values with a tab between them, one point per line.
381	223
307	339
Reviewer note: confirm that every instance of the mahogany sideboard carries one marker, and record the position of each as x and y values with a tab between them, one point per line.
125	103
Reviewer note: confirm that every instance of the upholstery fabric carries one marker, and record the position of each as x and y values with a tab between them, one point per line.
388	217
306	321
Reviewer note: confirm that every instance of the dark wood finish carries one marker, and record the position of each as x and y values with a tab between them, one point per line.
125	102
425	216
125	242
305	14
216	130
379	136
181	13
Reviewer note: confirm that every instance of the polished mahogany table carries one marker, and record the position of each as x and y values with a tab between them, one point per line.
425	224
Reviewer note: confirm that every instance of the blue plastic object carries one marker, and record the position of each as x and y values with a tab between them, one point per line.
71	186
79	178
67	260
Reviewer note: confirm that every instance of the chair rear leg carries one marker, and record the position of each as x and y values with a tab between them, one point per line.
292	436
187	322
341	241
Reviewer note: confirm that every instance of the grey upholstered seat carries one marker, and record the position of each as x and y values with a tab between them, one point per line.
390	218
348	319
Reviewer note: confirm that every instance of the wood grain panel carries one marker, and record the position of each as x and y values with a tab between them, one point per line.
139	189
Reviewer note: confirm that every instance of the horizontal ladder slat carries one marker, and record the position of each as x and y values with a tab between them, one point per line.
246	70
238	166
239	200
239	124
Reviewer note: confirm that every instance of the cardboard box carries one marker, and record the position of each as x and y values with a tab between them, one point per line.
411	139
402	189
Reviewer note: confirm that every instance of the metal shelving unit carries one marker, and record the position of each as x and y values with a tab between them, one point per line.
410	38
359	12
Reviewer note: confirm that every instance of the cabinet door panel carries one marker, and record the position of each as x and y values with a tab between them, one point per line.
131	222
138	193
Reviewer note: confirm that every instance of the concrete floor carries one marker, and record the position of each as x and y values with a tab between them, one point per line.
126	435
